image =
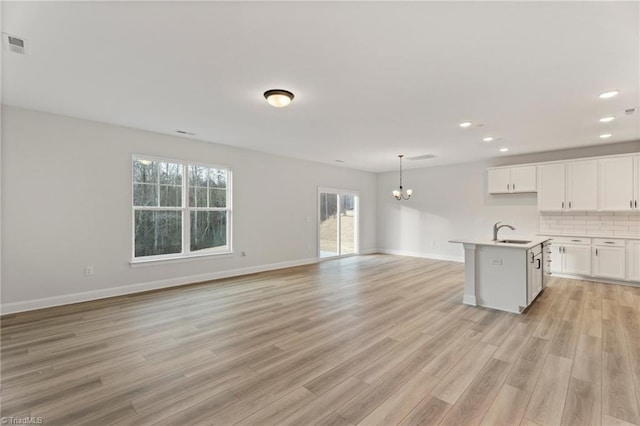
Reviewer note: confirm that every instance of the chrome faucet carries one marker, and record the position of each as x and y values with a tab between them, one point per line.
496	228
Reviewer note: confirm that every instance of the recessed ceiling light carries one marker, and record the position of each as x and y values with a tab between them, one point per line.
609	94
504	149
465	124
607	119
487	139
278	98
605	135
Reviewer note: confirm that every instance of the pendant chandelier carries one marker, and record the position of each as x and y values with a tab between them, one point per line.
400	194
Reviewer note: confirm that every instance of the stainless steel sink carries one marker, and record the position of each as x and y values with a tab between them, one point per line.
514	241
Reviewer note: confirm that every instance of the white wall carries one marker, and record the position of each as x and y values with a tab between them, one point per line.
67	203
451	202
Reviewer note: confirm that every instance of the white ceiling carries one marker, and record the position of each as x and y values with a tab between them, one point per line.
372	80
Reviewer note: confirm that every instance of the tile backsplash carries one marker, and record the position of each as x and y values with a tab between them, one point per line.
607	224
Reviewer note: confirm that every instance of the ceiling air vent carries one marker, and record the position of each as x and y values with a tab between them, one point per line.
14	44
422	157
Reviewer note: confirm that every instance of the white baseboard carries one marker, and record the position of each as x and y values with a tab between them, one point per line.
435	256
468	299
369	251
85	296
596	279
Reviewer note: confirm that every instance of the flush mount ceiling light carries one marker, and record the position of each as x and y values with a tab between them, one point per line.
278	98
465	124
605	135
487	139
504	149
609	94
607	119
399	193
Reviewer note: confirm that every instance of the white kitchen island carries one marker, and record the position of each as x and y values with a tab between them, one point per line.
502	275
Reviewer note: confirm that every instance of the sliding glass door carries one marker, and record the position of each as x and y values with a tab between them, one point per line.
338	227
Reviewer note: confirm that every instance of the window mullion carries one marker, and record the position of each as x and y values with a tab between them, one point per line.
186	215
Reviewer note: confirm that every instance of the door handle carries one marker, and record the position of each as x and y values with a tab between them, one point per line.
596	252
539	264
569	204
507	187
563	204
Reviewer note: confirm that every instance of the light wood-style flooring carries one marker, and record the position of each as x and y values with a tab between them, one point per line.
370	340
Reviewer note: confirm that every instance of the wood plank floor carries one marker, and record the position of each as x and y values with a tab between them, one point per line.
370	340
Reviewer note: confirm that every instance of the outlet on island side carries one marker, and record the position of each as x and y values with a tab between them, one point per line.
243	253
88	271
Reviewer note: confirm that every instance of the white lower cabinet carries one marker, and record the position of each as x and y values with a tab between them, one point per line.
571	259
615	259
576	260
609	262
633	260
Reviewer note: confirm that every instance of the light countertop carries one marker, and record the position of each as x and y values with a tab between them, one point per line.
617	237
533	241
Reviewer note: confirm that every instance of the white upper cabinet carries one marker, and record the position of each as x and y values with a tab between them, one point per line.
551	187
523	179
499	181
617	183
571	186
610	183
582	186
510	180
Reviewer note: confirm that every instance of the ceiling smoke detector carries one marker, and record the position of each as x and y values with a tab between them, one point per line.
14	44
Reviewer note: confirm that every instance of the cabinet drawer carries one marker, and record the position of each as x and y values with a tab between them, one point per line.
572	240
607	242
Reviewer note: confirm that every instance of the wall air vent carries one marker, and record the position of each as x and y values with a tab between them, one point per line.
15	44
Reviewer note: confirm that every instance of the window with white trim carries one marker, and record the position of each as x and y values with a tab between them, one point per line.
180	209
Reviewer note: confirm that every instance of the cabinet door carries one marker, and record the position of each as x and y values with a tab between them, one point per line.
608	262
499	181
633	260
523	179
616	184
576	260
556	259
582	186
551	187
636	200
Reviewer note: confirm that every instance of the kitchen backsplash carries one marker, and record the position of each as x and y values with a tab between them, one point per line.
619	224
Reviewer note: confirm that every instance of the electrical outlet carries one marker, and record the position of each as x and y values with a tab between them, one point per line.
243	253
497	262
88	271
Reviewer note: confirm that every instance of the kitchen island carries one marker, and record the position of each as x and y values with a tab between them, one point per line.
505	274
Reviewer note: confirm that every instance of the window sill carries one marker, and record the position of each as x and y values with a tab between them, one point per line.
178	259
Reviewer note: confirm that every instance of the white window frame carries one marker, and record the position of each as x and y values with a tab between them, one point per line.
186	252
